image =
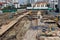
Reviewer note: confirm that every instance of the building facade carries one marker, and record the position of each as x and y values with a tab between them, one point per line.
31	1
53	3
4	3
40	4
59	5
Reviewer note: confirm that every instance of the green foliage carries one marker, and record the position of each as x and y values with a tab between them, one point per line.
29	5
24	6
48	5
9	7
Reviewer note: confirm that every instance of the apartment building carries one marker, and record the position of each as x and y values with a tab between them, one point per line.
40	4
4	3
59	5
16	3
53	3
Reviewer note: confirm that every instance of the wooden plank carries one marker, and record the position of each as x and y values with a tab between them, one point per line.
4	28
51	38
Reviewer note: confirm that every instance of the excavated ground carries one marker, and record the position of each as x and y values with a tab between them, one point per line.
6	18
18	30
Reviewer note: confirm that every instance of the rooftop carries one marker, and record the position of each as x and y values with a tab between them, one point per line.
41	2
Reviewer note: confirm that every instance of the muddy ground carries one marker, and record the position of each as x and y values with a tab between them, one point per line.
6	18
17	31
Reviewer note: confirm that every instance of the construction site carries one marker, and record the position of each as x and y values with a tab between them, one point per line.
37	22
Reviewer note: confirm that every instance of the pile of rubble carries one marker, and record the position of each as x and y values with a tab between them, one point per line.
52	35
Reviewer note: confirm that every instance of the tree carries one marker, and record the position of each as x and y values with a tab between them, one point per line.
48	5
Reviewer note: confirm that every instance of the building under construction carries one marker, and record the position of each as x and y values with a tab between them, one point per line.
33	23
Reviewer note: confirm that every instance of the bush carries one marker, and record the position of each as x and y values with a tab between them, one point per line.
9	7
48	5
24	6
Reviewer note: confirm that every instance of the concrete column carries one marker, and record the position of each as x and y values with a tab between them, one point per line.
18	5
32	5
44	5
36	5
40	5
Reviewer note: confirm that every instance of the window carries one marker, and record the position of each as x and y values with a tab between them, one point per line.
42	5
